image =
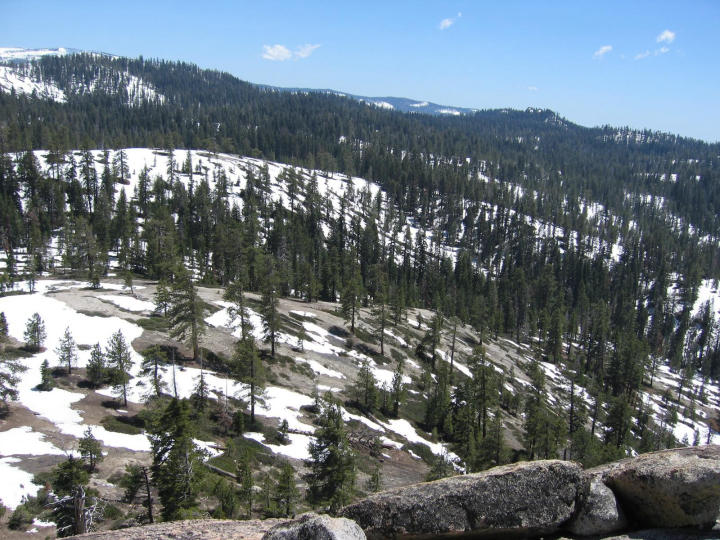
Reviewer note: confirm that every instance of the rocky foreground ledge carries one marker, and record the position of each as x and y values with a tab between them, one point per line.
672	494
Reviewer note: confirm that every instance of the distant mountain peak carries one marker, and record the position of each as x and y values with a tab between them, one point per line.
20	54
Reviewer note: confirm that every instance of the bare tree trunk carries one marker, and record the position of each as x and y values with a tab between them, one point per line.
79	511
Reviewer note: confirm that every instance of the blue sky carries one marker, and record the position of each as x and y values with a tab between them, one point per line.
642	64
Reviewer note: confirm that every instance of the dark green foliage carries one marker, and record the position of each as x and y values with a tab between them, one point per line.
286	493
67	351
228	501
68	475
365	390
90	450
35	333
96	370
186	312
10	369
177	462
3	328
245	479
331	480
248	368
20	519
119	362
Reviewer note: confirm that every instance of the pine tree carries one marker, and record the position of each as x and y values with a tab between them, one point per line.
3	329
365	388
90	450
46	379
162	298
331	480
35	333
67	351
248	368
398	388
119	363
10	369
375	483
177	461
235	294
269	311
350	298
380	315
186	313
152	359
96	370
245	479
286	492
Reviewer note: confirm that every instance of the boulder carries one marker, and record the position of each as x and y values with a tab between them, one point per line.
671	488
522	499
316	527
599	514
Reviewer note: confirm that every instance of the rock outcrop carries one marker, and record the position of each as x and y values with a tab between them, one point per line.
600	513
316	527
672	488
524	499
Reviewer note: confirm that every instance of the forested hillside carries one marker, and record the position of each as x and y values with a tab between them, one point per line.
541	283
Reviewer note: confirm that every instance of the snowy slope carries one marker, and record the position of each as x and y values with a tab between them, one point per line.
12	79
18	54
18	77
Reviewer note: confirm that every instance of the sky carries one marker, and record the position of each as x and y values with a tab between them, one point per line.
642	64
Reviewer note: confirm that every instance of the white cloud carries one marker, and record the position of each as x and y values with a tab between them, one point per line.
602	51
278	53
533	88
662	50
303	51
642	55
666	36
447	23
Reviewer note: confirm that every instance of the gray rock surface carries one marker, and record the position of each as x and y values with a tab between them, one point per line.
672	488
523	499
200	529
316	527
599	514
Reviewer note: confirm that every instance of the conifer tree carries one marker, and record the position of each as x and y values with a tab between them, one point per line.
286	492
177	461
186	312
96	370
269	311
3	329
10	369
249	369
234	293
331	480
35	333
67	351
90	450
46	379
380	315
153	358
398	388
365	388
162	297
245	479
119	362
350	298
